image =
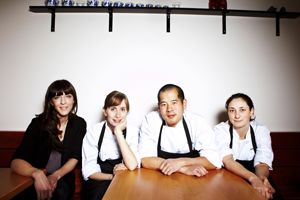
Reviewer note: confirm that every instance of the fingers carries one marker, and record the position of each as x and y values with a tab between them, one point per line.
269	186
44	194
42	185
119	166
200	171
167	168
121	126
264	191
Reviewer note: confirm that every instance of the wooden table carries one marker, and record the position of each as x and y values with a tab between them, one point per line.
145	184
11	184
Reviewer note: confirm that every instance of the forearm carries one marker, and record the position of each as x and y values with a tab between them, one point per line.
238	169
197	161
129	158
22	167
262	171
152	162
101	176
66	168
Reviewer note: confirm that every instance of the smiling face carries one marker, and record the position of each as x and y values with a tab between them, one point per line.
239	113
170	107
63	104
115	114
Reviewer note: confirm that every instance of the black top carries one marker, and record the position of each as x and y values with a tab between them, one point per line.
35	147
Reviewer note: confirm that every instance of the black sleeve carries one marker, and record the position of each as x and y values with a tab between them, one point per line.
73	142
33	145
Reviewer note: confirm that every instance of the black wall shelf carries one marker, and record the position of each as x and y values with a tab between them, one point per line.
271	13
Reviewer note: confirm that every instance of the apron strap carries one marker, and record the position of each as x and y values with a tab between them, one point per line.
252	138
101	140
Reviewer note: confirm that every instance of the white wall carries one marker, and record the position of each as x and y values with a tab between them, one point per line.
138	57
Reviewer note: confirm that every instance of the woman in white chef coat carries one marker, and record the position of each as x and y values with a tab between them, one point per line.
108	146
245	145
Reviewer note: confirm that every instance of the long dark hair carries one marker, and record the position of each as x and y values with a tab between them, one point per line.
49	114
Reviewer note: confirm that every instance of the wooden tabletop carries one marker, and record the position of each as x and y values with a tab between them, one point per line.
145	184
11	184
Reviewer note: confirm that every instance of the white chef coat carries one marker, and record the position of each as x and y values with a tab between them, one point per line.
243	149
173	139
109	148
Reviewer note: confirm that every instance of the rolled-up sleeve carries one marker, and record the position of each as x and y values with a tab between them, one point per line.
133	140
223	139
90	152
148	137
204	139
264	152
206	143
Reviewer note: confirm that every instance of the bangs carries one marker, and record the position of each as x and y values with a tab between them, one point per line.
61	92
60	87
115	98
115	101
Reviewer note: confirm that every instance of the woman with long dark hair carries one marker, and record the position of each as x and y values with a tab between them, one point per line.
51	146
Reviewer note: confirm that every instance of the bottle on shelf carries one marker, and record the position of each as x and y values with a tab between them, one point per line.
217	4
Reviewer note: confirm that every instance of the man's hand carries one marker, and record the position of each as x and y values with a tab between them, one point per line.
118	167
169	166
194	170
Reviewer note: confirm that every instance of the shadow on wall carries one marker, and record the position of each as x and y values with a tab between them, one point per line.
153	108
221	116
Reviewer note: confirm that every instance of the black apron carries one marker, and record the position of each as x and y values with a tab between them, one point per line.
163	154
248	164
94	189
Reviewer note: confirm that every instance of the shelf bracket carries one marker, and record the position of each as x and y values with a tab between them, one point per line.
224	21
110	23
277	25
168	20
52	19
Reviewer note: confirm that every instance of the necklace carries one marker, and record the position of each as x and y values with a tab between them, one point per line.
62	128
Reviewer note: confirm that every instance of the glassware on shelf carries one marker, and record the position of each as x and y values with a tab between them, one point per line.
68	2
92	2
80	3
51	2
129	4
139	5
107	3
118	4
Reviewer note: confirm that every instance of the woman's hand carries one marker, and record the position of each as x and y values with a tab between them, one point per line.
118	167
261	187
118	131
42	185
266	182
53	179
